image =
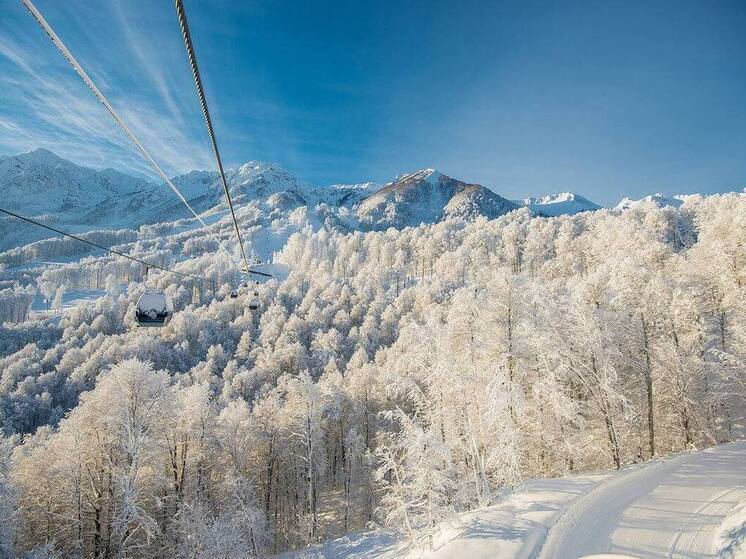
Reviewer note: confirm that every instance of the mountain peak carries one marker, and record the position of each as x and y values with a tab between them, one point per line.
42	156
433	176
556	198
427	173
258	168
43	151
427	196
263	179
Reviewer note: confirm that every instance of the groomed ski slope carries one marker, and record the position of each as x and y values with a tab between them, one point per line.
672	507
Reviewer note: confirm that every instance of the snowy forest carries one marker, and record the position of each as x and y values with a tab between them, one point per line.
393	379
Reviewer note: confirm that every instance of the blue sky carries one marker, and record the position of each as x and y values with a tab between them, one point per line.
602	98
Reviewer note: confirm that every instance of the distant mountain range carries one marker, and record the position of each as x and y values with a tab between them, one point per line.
57	191
564	203
660	200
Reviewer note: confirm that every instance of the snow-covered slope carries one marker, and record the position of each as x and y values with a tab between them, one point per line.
671	507
259	179
428	196
41	182
564	203
56	191
346	195
255	180
659	199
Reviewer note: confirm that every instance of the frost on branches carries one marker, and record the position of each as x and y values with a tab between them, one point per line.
395	377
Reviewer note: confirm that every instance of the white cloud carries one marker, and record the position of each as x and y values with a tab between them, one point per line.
46	105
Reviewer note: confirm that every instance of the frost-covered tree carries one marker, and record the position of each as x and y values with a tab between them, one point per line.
7	498
415	474
394	375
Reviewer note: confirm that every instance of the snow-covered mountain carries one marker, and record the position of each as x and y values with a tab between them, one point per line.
428	196
346	195
259	179
564	203
659	199
56	191
40	182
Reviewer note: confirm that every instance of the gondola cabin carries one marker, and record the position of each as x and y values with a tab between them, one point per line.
154	309
255	303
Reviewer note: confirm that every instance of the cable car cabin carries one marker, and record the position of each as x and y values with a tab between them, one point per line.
255	303
154	309
234	294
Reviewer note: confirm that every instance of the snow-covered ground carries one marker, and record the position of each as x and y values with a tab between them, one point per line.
690	505
671	508
731	538
70	300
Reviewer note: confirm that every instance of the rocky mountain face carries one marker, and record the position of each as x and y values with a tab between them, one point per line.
428	196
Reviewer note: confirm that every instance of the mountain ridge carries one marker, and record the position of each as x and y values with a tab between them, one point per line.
57	191
561	203
659	199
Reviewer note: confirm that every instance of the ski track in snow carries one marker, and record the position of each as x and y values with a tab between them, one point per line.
666	508
672	508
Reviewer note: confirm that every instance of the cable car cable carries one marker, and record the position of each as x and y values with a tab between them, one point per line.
134	259
181	14
105	102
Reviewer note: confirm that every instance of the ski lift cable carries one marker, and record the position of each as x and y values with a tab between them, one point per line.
112	251
105	102
181	14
